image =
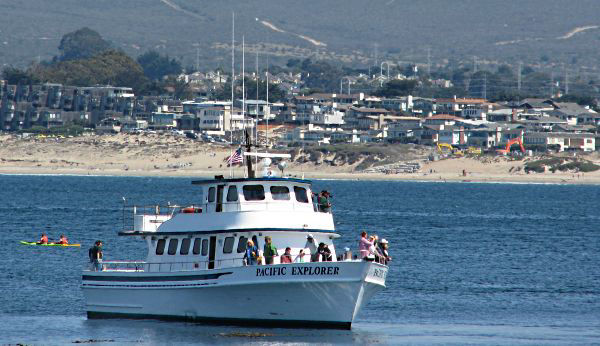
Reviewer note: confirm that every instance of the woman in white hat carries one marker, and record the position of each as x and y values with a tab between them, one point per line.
383	250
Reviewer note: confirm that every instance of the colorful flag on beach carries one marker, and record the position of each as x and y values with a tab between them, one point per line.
236	157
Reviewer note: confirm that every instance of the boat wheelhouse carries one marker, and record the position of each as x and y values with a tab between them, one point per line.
195	267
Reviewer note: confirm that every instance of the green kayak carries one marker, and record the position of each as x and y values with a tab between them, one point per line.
49	244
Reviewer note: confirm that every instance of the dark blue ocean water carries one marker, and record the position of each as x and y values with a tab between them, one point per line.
473	263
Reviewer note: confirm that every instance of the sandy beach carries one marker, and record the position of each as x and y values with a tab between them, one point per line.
168	155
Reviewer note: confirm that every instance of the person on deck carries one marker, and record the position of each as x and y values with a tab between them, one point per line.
43	239
63	240
251	254
270	251
95	254
311	245
364	245
323	202
324	252
383	250
300	257
287	256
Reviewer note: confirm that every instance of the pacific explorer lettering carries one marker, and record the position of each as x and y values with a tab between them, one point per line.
282	271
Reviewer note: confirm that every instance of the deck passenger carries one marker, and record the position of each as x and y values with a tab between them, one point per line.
300	257
251	254
383	250
43	239
324	252
323	202
311	245
287	256
270	251
364	245
95	254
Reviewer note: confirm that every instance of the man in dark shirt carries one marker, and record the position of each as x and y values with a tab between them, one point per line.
95	254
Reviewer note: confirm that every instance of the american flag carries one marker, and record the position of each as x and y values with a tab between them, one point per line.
236	157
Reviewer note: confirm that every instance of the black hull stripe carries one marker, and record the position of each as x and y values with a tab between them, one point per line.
226	321
237	230
154	278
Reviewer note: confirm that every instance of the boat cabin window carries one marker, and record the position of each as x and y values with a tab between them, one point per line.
185	246
280	193
160	246
211	195
196	250
173	246
228	245
232	194
204	247
254	192
301	195
242	244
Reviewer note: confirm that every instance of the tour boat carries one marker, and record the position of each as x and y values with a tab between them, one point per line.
195	269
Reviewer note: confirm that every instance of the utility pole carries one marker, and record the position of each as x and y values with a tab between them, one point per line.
552	84
197	59
376	46
485	86
474	64
519	77
428	61
566	81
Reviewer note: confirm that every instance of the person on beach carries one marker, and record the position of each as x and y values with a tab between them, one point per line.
364	245
43	239
95	254
270	251
251	254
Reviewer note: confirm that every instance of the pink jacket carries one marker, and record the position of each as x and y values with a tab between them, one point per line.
363	247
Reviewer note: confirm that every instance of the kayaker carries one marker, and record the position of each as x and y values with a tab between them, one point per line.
63	240
43	239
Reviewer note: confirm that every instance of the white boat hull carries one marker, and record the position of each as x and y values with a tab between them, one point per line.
325	294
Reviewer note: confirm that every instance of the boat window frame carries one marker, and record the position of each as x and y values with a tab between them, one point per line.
296	188
242	241
204	247
184	247
254	195
286	195
229	193
172	250
228	243
160	246
196	249
212	194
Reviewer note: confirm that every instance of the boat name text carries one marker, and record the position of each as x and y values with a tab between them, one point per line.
281	271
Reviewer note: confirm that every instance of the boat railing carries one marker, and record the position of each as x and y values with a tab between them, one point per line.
168	267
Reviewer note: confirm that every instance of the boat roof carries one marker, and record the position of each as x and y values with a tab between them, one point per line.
237	180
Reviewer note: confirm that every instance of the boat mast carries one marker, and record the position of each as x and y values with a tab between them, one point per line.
244	89
232	91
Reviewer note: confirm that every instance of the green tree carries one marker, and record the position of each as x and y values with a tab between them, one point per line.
17	76
397	87
80	44
156	66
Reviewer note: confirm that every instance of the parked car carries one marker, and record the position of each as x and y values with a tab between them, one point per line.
191	135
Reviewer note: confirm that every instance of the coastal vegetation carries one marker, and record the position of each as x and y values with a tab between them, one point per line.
562	164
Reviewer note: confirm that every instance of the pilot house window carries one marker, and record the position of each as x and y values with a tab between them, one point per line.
211	195
197	243
280	193
301	195
160	246
228	245
254	192
242	244
173	246
232	194
185	246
